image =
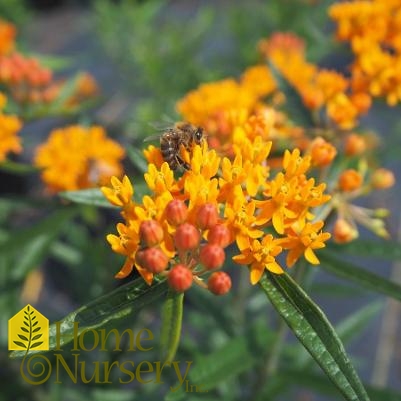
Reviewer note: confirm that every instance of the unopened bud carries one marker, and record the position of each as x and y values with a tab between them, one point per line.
354	145
150	233
154	260
180	278
176	212
186	237
219	235
219	283
212	256
322	152
382	179
207	216
344	232
350	180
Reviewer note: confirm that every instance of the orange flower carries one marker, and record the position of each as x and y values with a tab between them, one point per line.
304	240
322	152
76	157
259	256
9	127
121	192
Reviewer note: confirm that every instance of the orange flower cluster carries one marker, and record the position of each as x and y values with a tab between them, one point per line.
28	82
373	29
225	201
320	89
335	104
26	79
7	37
76	157
9	127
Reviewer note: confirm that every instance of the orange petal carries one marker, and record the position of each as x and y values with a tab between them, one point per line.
311	257
126	269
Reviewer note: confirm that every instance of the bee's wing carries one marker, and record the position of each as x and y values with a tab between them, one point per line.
151	138
163	124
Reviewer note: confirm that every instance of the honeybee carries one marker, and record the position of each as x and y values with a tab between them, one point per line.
182	133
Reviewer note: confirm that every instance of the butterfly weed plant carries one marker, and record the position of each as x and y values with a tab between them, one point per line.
270	196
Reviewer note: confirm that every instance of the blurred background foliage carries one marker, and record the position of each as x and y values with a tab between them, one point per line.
153	42
160	50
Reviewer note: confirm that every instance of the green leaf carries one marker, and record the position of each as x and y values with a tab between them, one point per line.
349	328
319	383
92	196
171	325
137	159
294	106
109	308
314	331
353	325
35	241
388	250
358	275
53	62
237	356
17	168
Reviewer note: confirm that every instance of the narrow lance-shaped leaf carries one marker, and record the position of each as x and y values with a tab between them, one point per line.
17	168
171	325
388	250
314	331
116	305
92	196
358	275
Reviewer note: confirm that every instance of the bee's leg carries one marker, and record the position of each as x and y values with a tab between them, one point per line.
182	163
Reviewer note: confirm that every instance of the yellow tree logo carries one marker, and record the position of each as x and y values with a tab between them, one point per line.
28	329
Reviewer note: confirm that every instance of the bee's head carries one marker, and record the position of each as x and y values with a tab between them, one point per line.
198	135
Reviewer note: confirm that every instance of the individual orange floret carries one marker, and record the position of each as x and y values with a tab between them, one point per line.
350	180
322	152
382	179
354	145
362	101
